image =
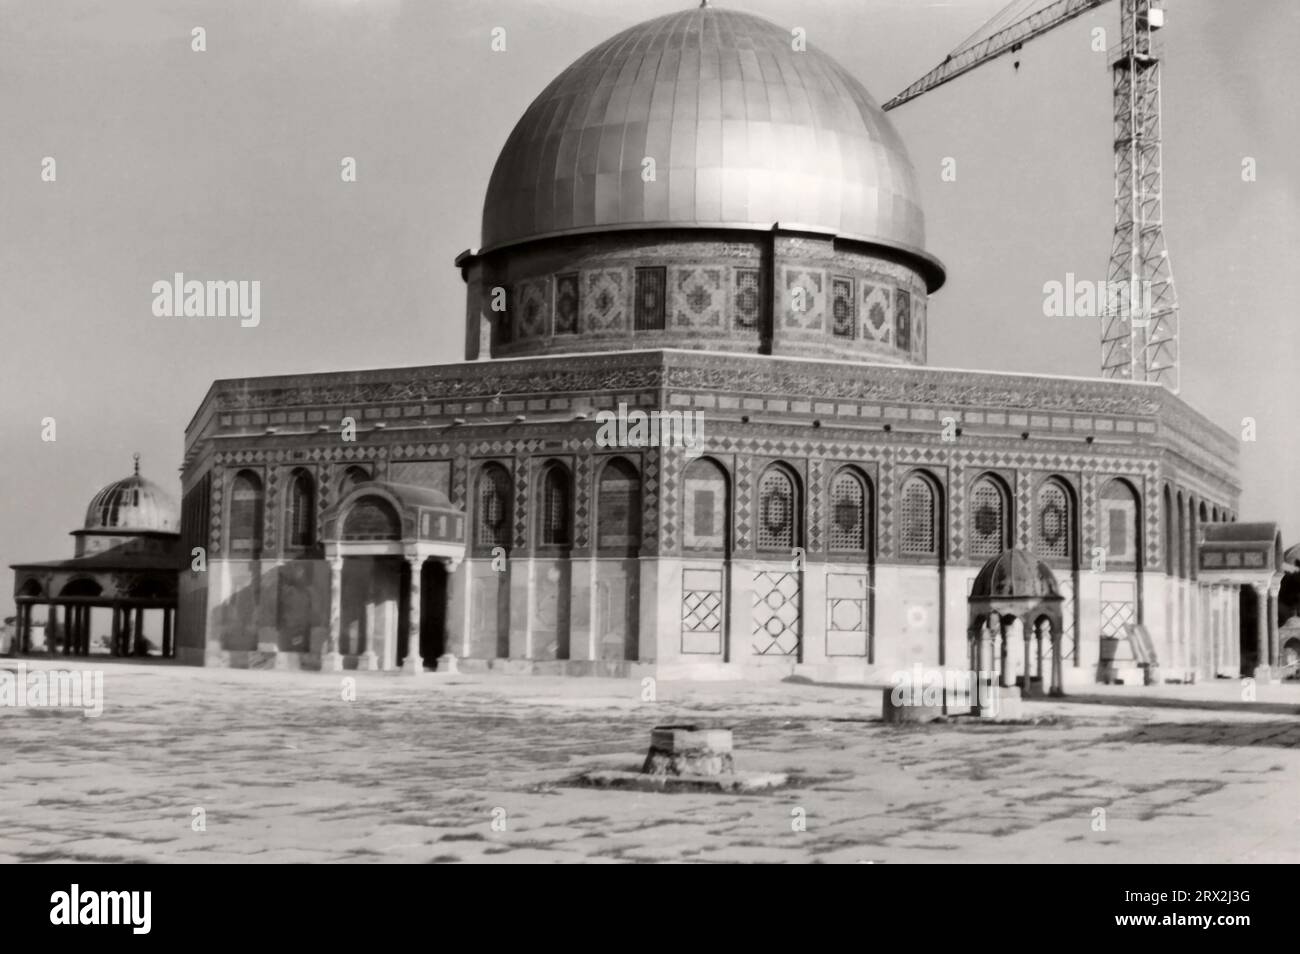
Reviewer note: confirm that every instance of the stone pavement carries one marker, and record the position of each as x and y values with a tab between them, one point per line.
279	767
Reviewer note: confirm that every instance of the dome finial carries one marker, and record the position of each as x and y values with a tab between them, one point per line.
136	458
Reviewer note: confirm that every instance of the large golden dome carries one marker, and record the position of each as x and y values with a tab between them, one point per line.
744	130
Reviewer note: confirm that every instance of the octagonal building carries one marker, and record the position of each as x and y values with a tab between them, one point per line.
694	433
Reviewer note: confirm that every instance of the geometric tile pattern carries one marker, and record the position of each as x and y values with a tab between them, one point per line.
875	322
531	315
1024	513
776	613
886	530
1151	494
848	614
703	609
651	495
270	512
748	307
743	507
811	301
1118	608
603	307
957	511
582	502
918	327
697	297
903	319
522	509
566	303
459	477
670	485
843	319
214	520
816	516
1089	532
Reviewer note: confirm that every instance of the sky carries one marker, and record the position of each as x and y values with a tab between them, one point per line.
226	164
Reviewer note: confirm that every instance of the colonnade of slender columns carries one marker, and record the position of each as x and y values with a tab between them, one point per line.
127	632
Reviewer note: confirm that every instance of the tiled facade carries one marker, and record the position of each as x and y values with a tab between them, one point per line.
686	602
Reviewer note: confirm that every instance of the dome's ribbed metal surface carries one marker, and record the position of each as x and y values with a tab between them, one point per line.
133	503
744	131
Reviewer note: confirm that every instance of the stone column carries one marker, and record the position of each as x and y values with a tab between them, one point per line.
1006	680
67	630
1058	673
1038	645
988	646
117	629
447	661
50	625
1261	630
167	632
1273	649
330	660
413	664
1027	631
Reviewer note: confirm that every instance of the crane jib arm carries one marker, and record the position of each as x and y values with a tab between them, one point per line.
980	49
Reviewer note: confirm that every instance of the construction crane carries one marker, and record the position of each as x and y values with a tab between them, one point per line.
1139	336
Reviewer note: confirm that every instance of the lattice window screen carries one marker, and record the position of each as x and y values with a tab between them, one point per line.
847	526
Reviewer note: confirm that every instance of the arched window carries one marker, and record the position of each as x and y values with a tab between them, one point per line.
1119	532
618	507
372	518
246	503
989	531
555	507
705	505
777	511
300	511
1054	528
849	512
492	502
918	518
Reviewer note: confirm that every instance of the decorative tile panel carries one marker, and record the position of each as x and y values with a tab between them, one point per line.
876	313
697	298
848	614
529	312
582	501
703	611
566	303
776	613
808	288
604	300
747	302
903	319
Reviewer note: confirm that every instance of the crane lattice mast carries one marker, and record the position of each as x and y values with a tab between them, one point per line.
1139	335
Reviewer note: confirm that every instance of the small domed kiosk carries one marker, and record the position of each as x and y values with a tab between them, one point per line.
1016	590
126	563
